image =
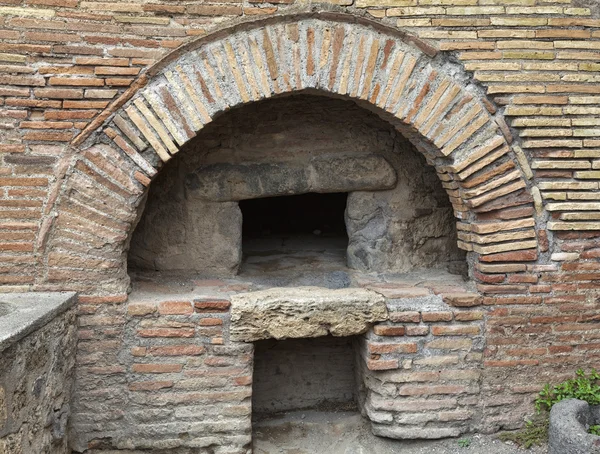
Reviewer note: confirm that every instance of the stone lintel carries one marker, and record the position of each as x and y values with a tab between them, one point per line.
222	182
298	312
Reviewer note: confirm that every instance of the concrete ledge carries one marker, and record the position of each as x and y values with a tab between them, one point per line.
569	423
23	313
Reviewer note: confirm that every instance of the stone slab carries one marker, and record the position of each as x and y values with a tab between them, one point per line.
23	313
298	312
222	182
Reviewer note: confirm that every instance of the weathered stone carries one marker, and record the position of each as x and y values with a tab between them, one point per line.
283	313
401	228
202	236
37	361
226	182
411	432
568	431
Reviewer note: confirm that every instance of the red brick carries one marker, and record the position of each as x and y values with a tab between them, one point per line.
382	348
46	125
59	93
210	322
489	278
85	104
376	364
462	299
156	368
468	316
141	309
149	385
7	148
528	255
437	316
417	330
212	306
387	330
177	350
455	330
112	299
243	381
76	81
49	136
175	308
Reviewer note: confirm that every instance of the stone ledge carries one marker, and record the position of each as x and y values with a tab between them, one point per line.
23	313
224	182
298	312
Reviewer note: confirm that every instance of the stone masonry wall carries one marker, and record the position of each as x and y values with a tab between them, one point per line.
36	380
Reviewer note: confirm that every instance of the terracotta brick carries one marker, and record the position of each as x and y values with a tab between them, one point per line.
76	81
177	350
386	330
437	316
175	308
417	330
166	332
150	385
156	368
376	364
212	306
59	93
208	321
383	348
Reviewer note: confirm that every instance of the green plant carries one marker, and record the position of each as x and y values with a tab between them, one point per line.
464	442
535	433
583	387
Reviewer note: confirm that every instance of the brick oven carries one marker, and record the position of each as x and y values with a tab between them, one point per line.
372	208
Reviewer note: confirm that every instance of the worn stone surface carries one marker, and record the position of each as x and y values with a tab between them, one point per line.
337	173
36	380
400	229
24	313
570	420
283	313
197	236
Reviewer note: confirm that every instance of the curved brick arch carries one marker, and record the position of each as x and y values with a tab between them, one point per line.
333	54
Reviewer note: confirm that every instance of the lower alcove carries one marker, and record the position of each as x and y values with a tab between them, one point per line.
302	374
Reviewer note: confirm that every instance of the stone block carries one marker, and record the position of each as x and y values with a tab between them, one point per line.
222	182
412	432
283	313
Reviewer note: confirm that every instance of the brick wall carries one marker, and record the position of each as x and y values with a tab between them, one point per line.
167	378
528	69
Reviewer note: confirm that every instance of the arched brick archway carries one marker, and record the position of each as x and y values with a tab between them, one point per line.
396	75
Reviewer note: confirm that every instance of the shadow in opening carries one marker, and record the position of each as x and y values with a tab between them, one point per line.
284	225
